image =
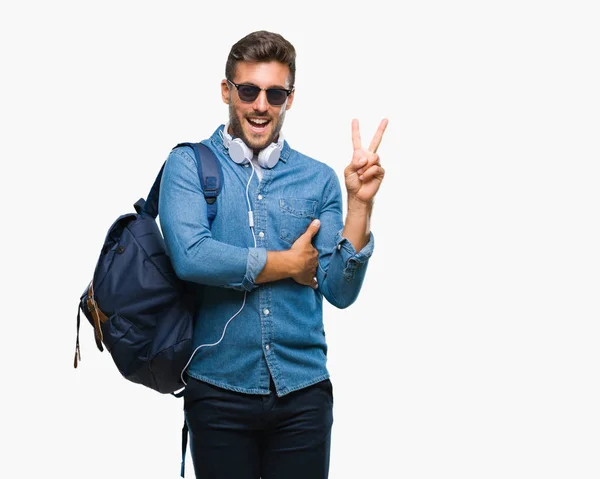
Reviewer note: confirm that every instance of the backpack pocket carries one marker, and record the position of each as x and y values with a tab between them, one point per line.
128	345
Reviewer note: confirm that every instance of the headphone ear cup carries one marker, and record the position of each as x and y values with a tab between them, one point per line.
239	151
269	157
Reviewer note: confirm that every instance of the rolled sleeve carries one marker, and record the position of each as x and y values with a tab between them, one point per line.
257	259
350	258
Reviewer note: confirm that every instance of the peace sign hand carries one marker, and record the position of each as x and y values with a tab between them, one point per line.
364	174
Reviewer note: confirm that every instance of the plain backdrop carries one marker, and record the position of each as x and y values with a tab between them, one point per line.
473	349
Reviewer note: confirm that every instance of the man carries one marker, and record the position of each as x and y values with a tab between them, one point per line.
258	400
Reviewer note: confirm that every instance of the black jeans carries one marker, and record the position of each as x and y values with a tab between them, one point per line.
247	436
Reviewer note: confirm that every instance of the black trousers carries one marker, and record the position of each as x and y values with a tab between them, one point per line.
247	436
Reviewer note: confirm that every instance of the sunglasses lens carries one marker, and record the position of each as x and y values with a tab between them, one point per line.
276	96
248	92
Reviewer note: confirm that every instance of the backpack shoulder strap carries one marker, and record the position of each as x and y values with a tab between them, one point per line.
209	173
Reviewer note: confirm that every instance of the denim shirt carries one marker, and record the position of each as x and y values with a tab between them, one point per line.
278	330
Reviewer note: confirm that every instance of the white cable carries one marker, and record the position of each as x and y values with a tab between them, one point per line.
251	223
250	213
213	344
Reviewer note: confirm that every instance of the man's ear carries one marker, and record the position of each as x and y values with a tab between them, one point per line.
225	91
290	100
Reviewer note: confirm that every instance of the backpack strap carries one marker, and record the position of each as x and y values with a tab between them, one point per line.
184	441
209	173
149	206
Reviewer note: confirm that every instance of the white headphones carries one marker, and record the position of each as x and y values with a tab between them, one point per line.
242	154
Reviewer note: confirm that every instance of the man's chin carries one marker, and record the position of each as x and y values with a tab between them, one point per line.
258	142
258	146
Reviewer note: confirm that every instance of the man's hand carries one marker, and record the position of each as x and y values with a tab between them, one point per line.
305	257
299	262
364	174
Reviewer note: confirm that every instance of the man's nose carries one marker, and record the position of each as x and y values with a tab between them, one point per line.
261	103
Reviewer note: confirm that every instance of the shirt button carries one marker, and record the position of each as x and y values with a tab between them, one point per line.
267	347
260	197
266	312
246	165
261	234
339	247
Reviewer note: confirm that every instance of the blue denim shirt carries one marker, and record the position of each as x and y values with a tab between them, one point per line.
279	331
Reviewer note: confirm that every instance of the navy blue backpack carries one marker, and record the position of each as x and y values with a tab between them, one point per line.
140	310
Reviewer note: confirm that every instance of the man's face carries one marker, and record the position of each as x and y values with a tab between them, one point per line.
257	123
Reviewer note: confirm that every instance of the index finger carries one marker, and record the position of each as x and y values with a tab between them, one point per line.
378	136
356	143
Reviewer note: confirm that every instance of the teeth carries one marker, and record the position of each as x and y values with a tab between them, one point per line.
259	122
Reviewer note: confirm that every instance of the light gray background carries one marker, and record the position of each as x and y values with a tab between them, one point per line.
473	350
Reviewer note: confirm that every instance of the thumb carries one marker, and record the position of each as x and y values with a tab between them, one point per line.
312	229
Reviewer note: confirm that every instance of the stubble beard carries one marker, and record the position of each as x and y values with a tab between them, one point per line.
238	132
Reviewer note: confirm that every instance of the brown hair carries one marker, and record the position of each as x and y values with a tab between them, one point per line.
262	46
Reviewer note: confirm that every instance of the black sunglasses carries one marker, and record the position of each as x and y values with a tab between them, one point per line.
249	93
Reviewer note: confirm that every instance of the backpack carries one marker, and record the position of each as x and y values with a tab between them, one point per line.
140	310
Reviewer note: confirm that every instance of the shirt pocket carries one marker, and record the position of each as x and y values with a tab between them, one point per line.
295	216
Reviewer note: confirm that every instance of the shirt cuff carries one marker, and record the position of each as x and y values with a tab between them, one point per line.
350	257
257	259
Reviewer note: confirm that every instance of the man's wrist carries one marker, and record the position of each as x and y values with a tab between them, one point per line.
279	266
291	265
359	207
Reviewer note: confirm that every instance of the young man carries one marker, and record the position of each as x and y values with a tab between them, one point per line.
258	400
